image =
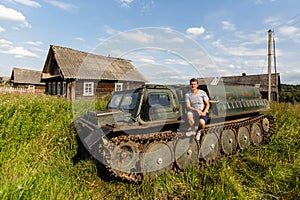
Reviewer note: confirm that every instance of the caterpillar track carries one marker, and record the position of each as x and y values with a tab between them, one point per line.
228	138
143	132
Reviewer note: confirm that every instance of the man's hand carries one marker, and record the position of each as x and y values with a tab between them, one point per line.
201	113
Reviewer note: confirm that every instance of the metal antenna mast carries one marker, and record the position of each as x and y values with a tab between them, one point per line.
276	81
269	63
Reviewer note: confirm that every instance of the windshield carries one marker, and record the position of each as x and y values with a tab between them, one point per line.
123	101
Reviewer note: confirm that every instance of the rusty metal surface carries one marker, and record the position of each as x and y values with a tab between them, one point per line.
256	133
243	138
186	152
228	141
210	147
157	159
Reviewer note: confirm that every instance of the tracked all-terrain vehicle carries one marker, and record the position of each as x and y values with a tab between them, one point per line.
143	132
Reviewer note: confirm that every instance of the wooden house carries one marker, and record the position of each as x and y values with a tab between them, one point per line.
79	75
258	80
27	79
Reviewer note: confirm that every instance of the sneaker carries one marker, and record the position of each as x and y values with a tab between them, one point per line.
198	135
190	133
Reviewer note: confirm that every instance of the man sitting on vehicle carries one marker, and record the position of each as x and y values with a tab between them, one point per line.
197	104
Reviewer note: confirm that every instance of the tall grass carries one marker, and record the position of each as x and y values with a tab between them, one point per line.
37	145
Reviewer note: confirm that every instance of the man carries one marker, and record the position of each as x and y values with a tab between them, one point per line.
197	104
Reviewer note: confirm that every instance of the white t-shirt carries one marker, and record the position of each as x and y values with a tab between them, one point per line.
197	100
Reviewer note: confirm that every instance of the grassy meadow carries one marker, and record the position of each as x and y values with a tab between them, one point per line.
37	145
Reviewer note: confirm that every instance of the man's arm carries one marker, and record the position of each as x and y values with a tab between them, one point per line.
207	106
200	112
188	106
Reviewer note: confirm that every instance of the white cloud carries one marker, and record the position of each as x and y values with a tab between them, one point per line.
235	60
147	6
15	28
10	15
2	29
297	38
288	30
272	21
168	30
258	37
207	37
176	62
34	43
231	66
110	30
62	5
30	3
195	31
125	3
219	59
6	47
39	50
5	43
79	39
137	36
19	52
177	40
101	39
227	25
257	2
238	50
147	60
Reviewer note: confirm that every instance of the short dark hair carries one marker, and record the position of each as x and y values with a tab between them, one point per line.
194	80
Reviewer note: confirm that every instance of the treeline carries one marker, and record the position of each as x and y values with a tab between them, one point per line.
289	93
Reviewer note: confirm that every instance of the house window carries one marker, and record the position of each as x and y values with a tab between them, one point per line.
88	88
31	87
118	87
59	88
49	88
64	88
53	88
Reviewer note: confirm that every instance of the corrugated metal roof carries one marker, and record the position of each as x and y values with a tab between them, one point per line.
26	76
81	65
259	80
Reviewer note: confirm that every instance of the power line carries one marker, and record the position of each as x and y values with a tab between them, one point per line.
287	21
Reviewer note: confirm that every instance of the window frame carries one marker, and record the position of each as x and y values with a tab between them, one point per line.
159	99
117	85
88	88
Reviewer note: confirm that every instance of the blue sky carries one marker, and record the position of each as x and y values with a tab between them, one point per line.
178	39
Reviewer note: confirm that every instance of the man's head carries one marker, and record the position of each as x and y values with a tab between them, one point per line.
194	80
194	83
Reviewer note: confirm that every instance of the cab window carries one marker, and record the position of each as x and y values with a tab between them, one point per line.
159	99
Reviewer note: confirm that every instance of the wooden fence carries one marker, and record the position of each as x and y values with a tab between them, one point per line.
5	90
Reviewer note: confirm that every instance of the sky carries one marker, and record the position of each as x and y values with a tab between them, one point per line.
167	40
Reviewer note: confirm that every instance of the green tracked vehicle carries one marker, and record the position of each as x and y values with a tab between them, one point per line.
143	132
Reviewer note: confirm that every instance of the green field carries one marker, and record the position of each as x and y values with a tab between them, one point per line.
37	145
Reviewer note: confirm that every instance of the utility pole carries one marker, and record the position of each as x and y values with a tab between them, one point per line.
275	68
269	63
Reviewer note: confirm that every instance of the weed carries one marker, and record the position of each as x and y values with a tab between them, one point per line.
37	145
